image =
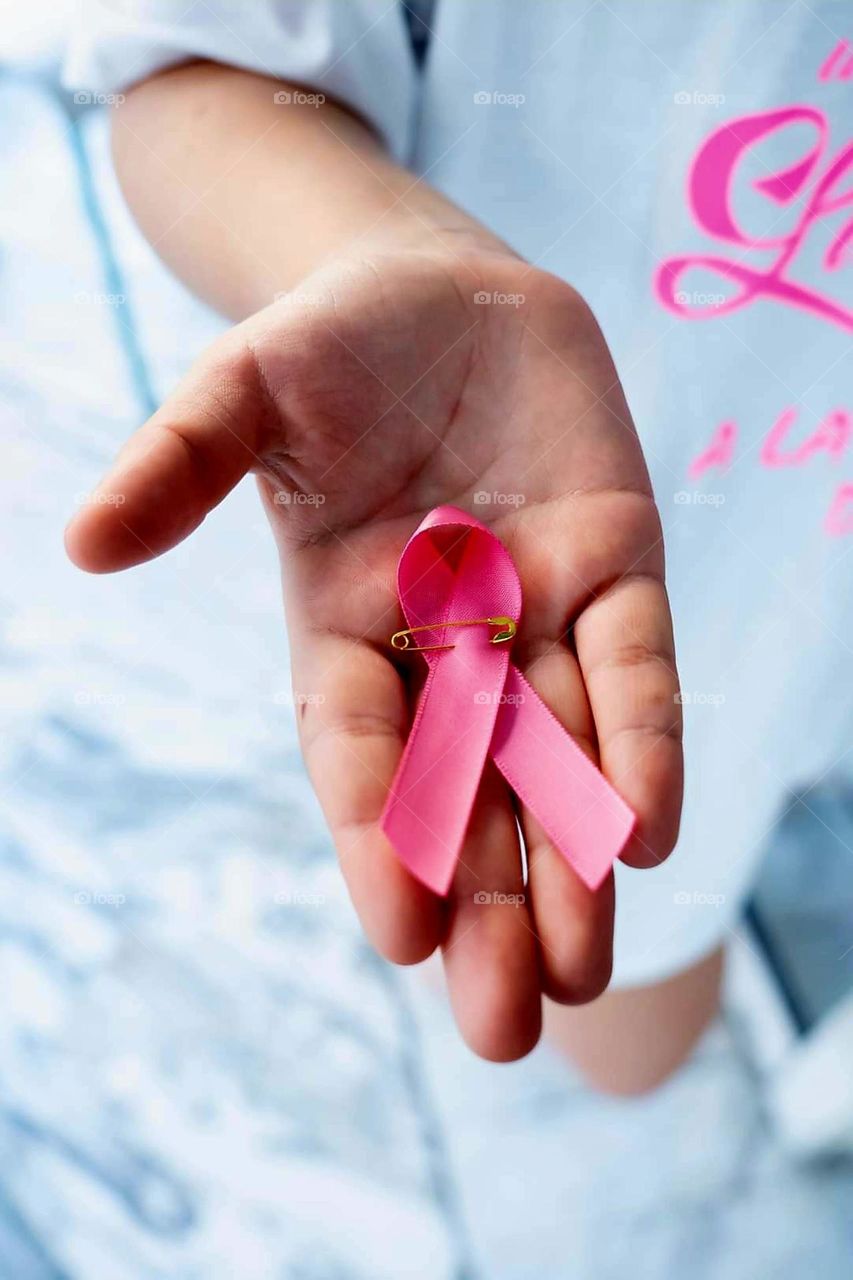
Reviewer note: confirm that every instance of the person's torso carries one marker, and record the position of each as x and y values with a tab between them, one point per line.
688	168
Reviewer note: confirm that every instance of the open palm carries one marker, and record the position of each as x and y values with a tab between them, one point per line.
378	390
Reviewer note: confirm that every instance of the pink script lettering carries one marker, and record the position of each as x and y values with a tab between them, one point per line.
814	178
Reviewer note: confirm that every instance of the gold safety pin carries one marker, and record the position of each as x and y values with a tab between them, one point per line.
507	628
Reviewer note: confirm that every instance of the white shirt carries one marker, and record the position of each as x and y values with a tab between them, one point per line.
608	142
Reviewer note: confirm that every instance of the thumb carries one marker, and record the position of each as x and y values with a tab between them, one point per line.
209	433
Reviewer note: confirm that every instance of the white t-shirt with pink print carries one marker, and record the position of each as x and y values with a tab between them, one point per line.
689	168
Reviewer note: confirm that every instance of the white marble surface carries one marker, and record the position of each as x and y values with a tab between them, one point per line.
203	1070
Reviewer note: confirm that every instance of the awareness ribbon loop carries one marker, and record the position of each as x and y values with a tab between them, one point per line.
476	704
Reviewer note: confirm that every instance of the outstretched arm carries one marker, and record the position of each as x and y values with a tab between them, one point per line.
244	195
376	390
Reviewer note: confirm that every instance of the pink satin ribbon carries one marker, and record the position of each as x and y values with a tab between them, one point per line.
476	704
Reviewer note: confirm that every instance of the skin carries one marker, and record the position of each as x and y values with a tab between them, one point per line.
377	389
630	1041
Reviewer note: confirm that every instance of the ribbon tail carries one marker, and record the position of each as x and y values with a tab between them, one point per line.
583	816
432	795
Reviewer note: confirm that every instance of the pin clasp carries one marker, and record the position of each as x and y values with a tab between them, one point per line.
505	629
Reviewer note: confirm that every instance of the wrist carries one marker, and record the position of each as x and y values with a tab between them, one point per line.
439	233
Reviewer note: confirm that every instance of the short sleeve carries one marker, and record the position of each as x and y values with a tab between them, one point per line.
356	51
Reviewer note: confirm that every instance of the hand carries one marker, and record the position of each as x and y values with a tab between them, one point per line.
380	389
